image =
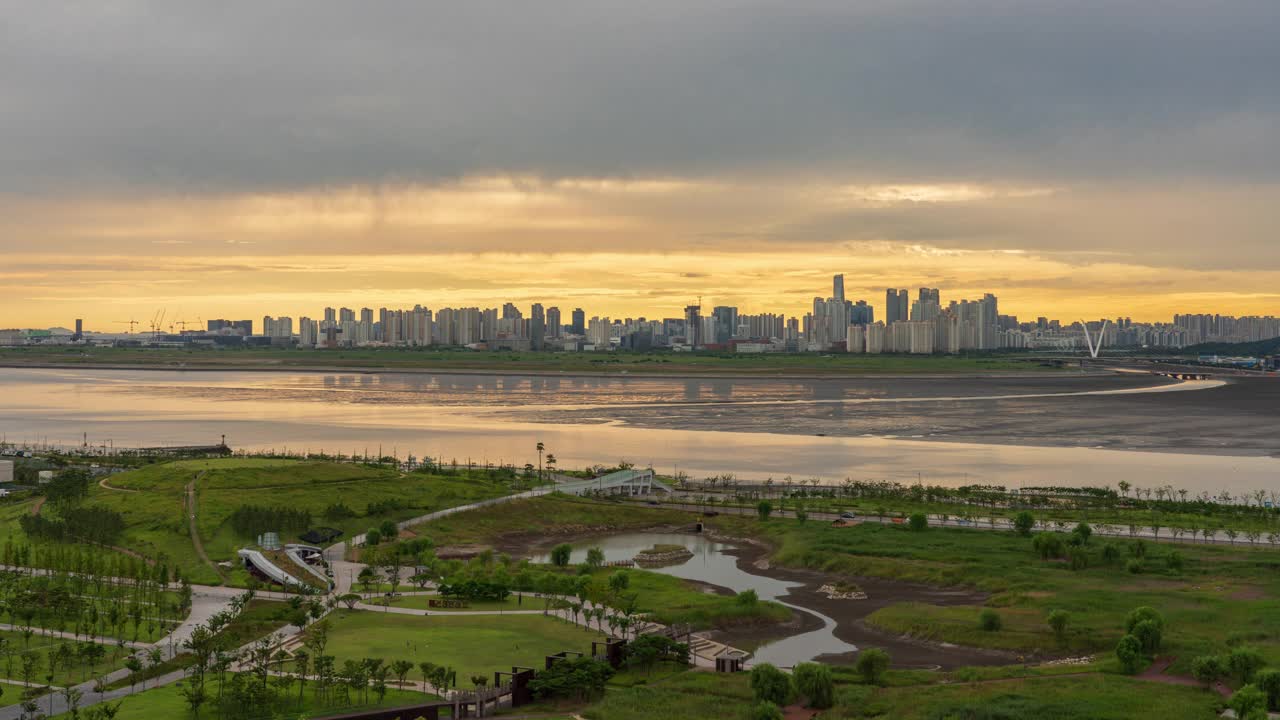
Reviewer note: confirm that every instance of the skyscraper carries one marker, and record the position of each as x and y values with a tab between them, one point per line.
579	322
726	318
837	288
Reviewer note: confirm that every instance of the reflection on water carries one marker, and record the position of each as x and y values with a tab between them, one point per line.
710	564
477	419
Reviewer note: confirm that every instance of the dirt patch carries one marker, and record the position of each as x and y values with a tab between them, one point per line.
849	615
406	534
460	552
1156	673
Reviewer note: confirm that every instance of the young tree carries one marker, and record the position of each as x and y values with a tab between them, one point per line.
1244	663
813	680
1249	702
872	664
764	710
1129	653
1208	669
402	668
769	684
1023	522
1057	620
560	554
595	557
989	620
918	522
764	509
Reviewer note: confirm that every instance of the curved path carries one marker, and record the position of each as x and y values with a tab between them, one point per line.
103	484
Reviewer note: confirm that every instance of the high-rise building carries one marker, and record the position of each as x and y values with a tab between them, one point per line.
896	306
837	288
79	334
537	327
579	322
346	315
693	325
554	328
726	323
308	332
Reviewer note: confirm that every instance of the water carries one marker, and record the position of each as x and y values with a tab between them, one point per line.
710	564
492	419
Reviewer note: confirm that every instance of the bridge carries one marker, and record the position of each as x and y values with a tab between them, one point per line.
623	482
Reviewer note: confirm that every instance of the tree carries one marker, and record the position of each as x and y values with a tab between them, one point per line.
1141	613
541	448
372	537
1249	702
619	581
1129	653
1023	522
764	509
402	668
1208	669
367	577
1047	545
560	554
872	664
769	684
193	693
989	620
1057	620
134	666
813	680
918	522
595	557
1244	663
1269	682
350	600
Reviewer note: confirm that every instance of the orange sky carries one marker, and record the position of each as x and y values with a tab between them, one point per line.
615	247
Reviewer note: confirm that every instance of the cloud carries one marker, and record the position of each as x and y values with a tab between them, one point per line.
241	97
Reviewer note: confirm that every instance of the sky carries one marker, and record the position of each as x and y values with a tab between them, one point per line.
236	159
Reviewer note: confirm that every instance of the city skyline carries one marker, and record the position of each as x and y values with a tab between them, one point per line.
537	156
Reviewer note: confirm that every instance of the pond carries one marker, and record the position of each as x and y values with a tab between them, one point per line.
712	564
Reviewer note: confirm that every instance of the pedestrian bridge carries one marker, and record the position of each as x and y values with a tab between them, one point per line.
623	482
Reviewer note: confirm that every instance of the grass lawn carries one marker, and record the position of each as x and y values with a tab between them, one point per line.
670	600
472	645
167	702
546	517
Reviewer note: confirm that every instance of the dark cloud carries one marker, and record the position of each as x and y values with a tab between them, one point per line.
231	96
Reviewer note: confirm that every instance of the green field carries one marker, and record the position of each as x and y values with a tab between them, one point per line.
472	645
545	518
421	602
657	362
152	501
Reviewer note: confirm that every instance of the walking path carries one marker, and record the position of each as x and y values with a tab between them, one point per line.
46	632
195	530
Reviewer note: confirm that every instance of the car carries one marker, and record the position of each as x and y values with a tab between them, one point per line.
848	515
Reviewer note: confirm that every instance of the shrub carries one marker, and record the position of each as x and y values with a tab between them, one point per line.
1250	703
1023	522
372	537
747	598
918	522
1174	561
579	678
872	664
764	509
388	529
1134	566
770	685
813	680
1057	620
1129	653
1244	663
1208	669
764	711
1139	549
989	620
1078	558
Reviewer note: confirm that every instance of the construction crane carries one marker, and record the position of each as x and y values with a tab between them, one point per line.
130	323
157	322
182	324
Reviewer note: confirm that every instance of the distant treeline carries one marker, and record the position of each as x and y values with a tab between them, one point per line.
251	520
95	524
1247	349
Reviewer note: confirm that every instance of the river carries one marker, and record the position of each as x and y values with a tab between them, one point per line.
590	420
